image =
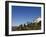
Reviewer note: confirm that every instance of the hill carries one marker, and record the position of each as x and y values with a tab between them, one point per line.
29	26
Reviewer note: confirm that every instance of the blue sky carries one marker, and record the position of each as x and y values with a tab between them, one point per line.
22	14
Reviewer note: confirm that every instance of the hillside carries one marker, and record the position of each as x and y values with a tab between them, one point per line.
29	26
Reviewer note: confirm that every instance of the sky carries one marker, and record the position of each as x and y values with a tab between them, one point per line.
22	14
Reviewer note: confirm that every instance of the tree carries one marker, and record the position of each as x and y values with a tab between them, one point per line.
20	27
24	26
28	22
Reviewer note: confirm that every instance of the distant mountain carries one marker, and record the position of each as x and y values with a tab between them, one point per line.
37	20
